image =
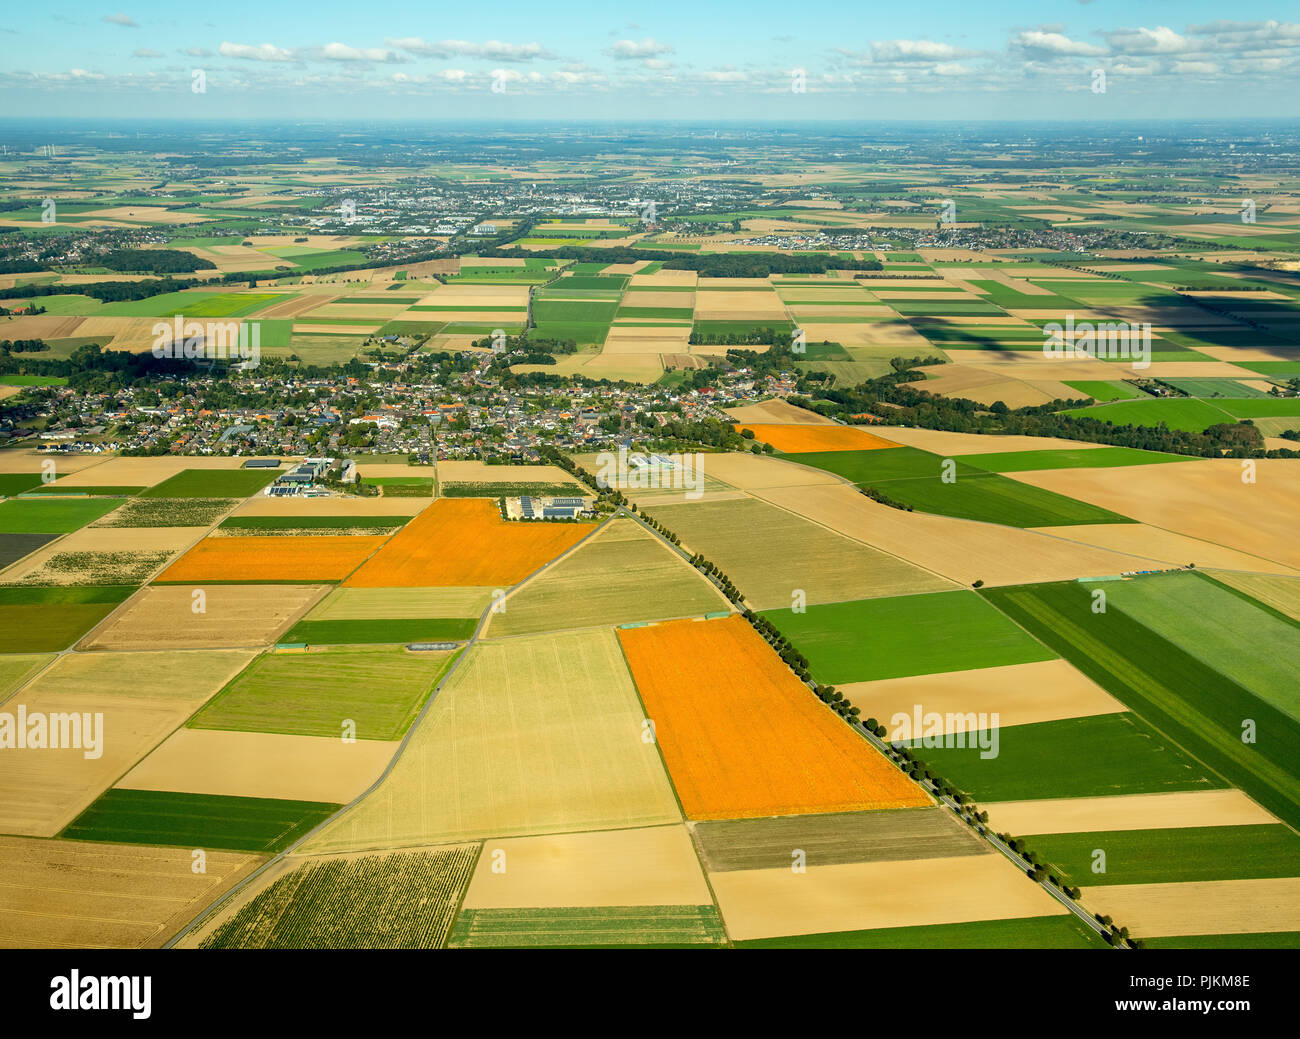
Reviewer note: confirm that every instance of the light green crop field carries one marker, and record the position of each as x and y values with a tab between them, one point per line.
905	635
1222	629
769	553
530	735
624	573
51	515
1068	458
212	483
1278	593
311	694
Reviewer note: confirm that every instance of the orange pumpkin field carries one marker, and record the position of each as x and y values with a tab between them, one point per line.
465	542
742	736
796	438
272	558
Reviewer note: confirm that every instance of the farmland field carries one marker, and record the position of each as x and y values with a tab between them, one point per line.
1041	932
143	697
356	631
742	737
401	900
639	926
380	690
905	635
530	735
51	515
168	512
105	896
1169	688
829	840
1104	754
271	558
254	824
1167	856
781	552
623	573
447	544
804	437
212	483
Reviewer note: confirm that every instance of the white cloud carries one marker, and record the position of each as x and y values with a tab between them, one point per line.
887	52
146	52
492	50
344	52
125	21
638	50
263	52
1160	40
1053	43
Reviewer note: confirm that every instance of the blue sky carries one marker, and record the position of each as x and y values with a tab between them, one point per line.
931	59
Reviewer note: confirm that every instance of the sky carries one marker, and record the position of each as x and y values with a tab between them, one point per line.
756	60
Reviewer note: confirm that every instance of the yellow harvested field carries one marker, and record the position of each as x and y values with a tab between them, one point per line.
1281	593
1018	694
775	411
961	550
654	866
1128	812
1203	907
26	460
479	472
261	764
165	617
1204	498
294	306
1164	545
143	697
401	603
147	214
302	328
673	300
78	895
956	444
750	472
109	471
664	277
261	505
894	334
767	903
635	367
528	736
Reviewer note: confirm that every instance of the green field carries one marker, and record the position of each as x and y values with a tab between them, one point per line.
48	627
193	305
905	635
916	478
623	573
1097	756
91	491
212	483
257	824
1068	458
1187	700
469	489
51	515
1184	413
1266	940
1105	392
404	900
270	525
1035	932
1230	388
1171	856
781	552
380	689
1223	629
16	483
387	630
639	926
